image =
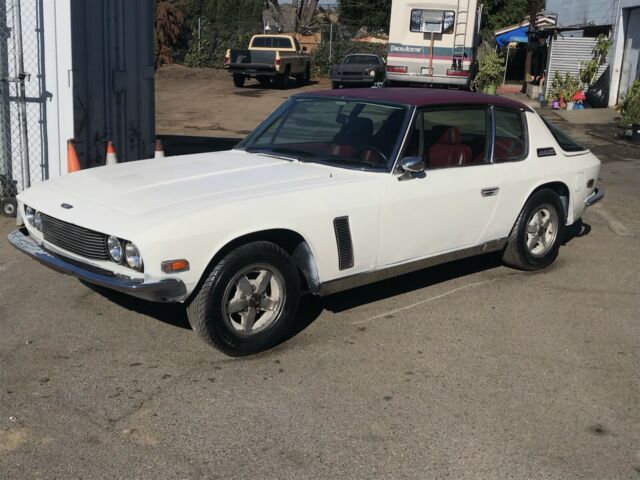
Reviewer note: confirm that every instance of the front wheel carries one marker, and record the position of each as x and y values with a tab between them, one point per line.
536	237
249	300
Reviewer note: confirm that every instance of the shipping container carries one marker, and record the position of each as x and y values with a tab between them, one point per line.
80	69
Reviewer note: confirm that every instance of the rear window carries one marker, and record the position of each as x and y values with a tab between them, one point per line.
271	42
362	60
566	143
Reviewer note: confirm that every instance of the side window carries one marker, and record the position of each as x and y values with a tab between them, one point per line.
450	138
511	136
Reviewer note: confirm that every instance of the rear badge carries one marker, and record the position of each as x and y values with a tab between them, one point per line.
66	206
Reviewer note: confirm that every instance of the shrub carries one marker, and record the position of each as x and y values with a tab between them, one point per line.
630	108
491	69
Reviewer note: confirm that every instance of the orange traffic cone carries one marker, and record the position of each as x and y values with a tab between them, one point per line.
112	158
73	163
159	149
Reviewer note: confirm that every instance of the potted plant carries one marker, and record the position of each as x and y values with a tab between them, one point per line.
630	109
490	72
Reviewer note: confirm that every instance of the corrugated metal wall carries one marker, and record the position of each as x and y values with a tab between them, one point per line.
113	76
583	12
569	54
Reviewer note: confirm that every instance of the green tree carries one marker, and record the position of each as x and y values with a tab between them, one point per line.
372	14
168	29
502	13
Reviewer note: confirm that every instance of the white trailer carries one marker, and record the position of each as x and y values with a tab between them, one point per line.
79	69
434	42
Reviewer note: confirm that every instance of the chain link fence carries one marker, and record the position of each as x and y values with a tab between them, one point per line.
23	140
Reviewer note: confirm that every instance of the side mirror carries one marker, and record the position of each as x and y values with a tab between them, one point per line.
412	164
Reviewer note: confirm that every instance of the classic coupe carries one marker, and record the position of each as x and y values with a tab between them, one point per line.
334	190
358	69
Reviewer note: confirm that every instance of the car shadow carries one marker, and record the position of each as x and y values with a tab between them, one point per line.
577	230
173	314
292	84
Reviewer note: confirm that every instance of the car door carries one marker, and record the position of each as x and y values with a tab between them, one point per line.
449	206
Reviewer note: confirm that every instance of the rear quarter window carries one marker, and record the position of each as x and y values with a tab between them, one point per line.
511	136
565	141
271	42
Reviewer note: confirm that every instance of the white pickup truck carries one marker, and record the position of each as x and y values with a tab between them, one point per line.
270	58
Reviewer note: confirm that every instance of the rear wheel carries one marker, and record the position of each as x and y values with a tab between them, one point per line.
535	239
238	80
249	300
304	78
282	79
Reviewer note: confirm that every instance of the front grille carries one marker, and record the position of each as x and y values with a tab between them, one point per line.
75	239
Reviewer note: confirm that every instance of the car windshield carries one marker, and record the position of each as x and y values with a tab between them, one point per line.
347	133
362	60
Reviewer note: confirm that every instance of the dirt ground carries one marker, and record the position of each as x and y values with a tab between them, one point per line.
214	107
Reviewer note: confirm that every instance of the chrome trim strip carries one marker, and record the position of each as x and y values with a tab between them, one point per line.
360	279
595	197
168	290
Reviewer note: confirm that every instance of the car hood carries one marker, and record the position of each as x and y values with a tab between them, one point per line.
138	188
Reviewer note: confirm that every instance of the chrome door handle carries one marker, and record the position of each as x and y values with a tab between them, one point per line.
490	192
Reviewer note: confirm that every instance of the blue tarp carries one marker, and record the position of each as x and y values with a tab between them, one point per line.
518	35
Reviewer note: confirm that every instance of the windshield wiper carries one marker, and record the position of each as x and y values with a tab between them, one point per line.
283	150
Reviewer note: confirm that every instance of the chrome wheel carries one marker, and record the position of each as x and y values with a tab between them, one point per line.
542	230
254	299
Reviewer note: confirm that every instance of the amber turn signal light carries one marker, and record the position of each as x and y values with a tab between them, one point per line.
175	266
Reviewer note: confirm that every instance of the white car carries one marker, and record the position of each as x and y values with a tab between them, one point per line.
334	190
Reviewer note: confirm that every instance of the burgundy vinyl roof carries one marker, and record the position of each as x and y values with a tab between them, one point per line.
419	97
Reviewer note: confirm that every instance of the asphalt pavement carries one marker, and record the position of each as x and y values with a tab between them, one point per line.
468	370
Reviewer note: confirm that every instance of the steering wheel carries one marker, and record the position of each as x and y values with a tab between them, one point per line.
375	150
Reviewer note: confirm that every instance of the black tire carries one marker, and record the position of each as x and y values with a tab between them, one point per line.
517	254
282	79
9	207
238	80
304	78
207	311
335	85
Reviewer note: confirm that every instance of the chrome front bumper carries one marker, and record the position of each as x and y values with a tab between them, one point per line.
167	290
595	197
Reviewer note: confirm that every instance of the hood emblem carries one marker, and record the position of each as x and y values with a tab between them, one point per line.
66	206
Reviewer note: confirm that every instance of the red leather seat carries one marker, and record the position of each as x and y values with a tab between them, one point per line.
447	151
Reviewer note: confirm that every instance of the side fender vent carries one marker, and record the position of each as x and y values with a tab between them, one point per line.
345	246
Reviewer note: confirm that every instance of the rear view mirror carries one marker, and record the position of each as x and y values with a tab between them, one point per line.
412	164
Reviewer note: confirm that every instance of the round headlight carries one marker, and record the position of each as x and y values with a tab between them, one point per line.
29	214
115	249
132	255
372	73
37	221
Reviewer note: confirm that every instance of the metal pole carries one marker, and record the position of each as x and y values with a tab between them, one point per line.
5	110
199	32
330	41
26	180
506	64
